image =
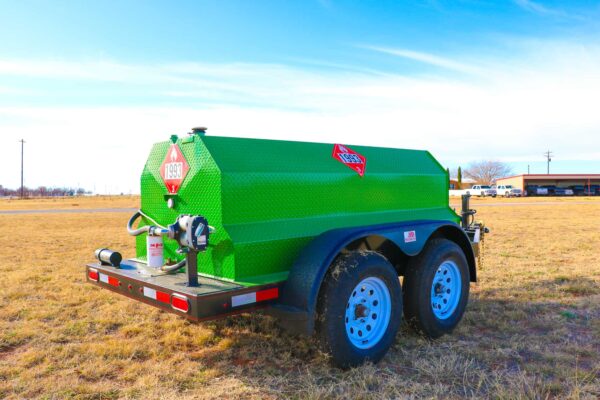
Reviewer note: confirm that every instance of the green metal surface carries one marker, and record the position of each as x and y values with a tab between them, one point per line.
267	199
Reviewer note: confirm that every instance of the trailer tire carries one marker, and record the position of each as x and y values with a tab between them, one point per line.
436	288
359	308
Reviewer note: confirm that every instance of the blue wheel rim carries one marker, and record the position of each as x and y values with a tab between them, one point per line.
368	312
446	290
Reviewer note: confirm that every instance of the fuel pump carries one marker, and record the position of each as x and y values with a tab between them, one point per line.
190	231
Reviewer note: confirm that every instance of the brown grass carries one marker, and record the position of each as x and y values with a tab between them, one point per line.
532	328
71	203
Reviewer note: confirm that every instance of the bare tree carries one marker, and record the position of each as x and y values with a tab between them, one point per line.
486	172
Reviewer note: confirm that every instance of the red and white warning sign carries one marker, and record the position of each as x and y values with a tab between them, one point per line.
351	158
174	168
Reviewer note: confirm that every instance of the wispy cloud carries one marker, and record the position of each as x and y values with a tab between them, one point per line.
428	58
541	9
518	108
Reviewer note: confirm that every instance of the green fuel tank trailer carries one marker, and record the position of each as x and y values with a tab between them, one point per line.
315	234
266	199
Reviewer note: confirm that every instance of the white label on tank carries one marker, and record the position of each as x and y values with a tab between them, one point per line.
243	299
410	236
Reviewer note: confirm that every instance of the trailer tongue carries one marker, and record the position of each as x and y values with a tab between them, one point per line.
306	229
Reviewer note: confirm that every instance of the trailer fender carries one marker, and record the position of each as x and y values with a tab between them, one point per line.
299	294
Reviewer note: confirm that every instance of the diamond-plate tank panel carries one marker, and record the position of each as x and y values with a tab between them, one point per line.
199	194
268	198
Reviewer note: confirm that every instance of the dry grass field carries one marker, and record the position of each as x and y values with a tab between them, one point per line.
532	328
70	203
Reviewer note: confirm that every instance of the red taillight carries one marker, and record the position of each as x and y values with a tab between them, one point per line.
180	303
93	274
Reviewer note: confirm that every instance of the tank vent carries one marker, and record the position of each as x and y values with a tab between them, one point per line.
199	131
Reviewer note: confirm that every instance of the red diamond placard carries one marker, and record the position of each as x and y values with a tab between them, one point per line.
173	169
351	158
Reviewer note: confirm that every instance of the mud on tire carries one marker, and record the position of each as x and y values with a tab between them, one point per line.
359	308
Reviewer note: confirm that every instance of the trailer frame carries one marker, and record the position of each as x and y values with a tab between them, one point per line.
293	300
211	299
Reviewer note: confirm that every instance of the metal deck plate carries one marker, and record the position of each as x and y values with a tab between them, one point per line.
175	281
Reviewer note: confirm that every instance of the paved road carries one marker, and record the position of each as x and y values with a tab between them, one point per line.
521	203
70	211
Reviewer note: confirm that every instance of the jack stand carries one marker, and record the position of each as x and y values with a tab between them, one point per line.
466	212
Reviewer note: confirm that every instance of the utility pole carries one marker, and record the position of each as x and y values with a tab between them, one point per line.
22	188
548	156
528	169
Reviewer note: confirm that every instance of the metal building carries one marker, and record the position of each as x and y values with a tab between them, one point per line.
581	184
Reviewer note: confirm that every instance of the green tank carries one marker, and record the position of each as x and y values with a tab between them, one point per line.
317	235
266	199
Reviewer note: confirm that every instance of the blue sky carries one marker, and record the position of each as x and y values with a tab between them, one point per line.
467	80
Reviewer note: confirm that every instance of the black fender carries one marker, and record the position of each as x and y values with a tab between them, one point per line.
299	294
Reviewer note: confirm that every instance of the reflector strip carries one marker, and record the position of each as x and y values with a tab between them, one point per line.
163	297
109	279
243	299
149	292
93	274
180	302
254	297
267	294
156	295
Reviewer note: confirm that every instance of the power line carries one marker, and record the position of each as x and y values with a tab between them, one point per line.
548	156
22	188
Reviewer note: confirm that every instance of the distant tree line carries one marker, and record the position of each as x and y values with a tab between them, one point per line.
43	191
